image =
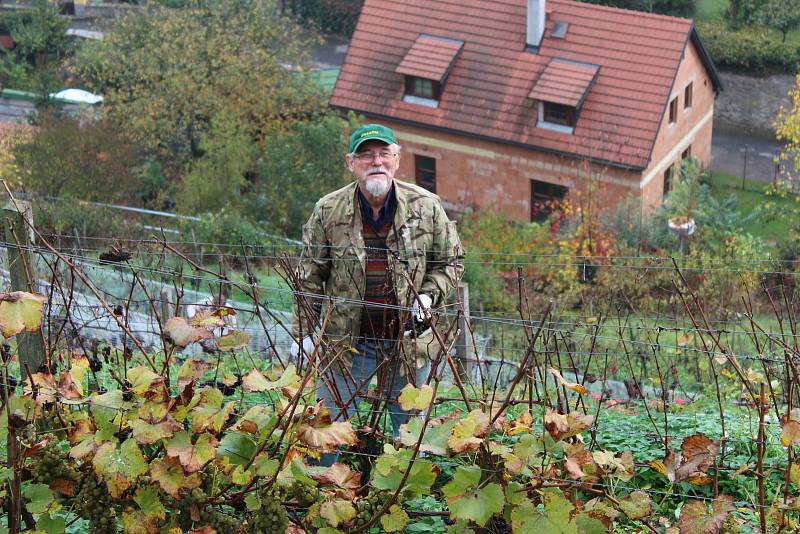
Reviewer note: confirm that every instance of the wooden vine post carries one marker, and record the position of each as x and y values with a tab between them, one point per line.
465	359
18	237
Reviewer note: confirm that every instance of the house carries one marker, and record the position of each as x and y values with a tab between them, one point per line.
510	103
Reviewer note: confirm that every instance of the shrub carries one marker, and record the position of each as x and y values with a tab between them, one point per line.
332	16
750	50
675	8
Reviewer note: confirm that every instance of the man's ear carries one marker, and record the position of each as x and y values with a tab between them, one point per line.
348	161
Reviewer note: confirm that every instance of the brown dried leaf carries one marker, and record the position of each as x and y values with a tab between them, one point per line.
564	426
697	519
181	334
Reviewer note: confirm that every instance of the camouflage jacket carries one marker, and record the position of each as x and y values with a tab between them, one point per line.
423	248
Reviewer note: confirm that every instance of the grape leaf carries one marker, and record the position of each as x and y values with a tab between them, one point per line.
319	432
39	496
696	519
553	517
211	318
153	424
637	505
564	426
519	425
392	465
181	334
233	340
119	467
169	474
147	384
580	389
468	432
619	465
696	457
340	476
412	398
46	390
20	312
336	512
256	381
396	520
210	414
436	435
256	419
147	518
192	456
238	448
467	500
190	371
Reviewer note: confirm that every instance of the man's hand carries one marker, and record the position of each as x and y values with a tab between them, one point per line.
308	348
421	309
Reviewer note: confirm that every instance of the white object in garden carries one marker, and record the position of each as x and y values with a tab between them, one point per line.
77	95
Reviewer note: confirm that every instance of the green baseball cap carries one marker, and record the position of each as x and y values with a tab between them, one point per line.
369	132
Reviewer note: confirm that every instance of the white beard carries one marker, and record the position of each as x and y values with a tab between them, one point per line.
377	185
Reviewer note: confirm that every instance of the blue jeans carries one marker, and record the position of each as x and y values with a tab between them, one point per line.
353	386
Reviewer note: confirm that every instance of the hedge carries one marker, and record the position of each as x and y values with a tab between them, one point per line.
331	16
749	50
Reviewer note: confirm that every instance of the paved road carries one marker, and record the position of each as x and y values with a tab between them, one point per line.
728	152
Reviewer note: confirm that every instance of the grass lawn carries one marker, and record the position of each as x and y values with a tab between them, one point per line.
710	9
752	197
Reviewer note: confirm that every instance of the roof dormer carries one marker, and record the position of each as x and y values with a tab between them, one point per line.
426	66
561	91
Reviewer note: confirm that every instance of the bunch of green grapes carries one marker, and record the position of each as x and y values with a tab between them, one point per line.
51	463
218	520
196	498
271	518
305	493
369	505
93	502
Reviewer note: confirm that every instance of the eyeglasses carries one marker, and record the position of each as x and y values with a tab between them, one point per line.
369	157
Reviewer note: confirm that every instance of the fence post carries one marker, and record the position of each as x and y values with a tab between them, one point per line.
465	359
22	272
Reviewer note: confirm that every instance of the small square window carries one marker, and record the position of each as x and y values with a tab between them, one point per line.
544	197
559	114
422	88
687	96
425	172
673	111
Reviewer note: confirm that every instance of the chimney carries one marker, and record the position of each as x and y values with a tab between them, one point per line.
536	9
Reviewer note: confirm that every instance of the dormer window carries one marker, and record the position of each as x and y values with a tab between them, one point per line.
422	88
426	67
560	91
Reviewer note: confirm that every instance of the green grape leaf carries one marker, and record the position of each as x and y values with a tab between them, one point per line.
396	520
119	467
266	466
337	512
52	524
435	438
169	474
149	500
21	411
253	502
233	340
415	399
460	527
238	448
20	312
153	424
190	371
515	493
148	517
192	456
467	500
242	476
553	516
39	496
590	525
392	465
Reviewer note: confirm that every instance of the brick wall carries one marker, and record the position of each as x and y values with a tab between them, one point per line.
472	173
693	127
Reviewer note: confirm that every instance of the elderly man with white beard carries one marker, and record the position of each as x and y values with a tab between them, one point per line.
385	254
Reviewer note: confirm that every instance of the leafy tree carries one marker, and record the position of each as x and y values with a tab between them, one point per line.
781	15
298	166
678	8
168	74
68	157
787	128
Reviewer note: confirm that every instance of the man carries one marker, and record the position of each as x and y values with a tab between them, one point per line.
376	250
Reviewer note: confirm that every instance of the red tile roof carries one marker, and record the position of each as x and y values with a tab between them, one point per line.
430	57
564	82
487	91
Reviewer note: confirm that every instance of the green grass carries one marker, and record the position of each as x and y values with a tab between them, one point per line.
710	9
752	197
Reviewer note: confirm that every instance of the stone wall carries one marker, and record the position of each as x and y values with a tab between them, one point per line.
750	105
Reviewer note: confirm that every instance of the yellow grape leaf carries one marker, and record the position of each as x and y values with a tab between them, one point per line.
20	311
580	389
415	399
181	334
